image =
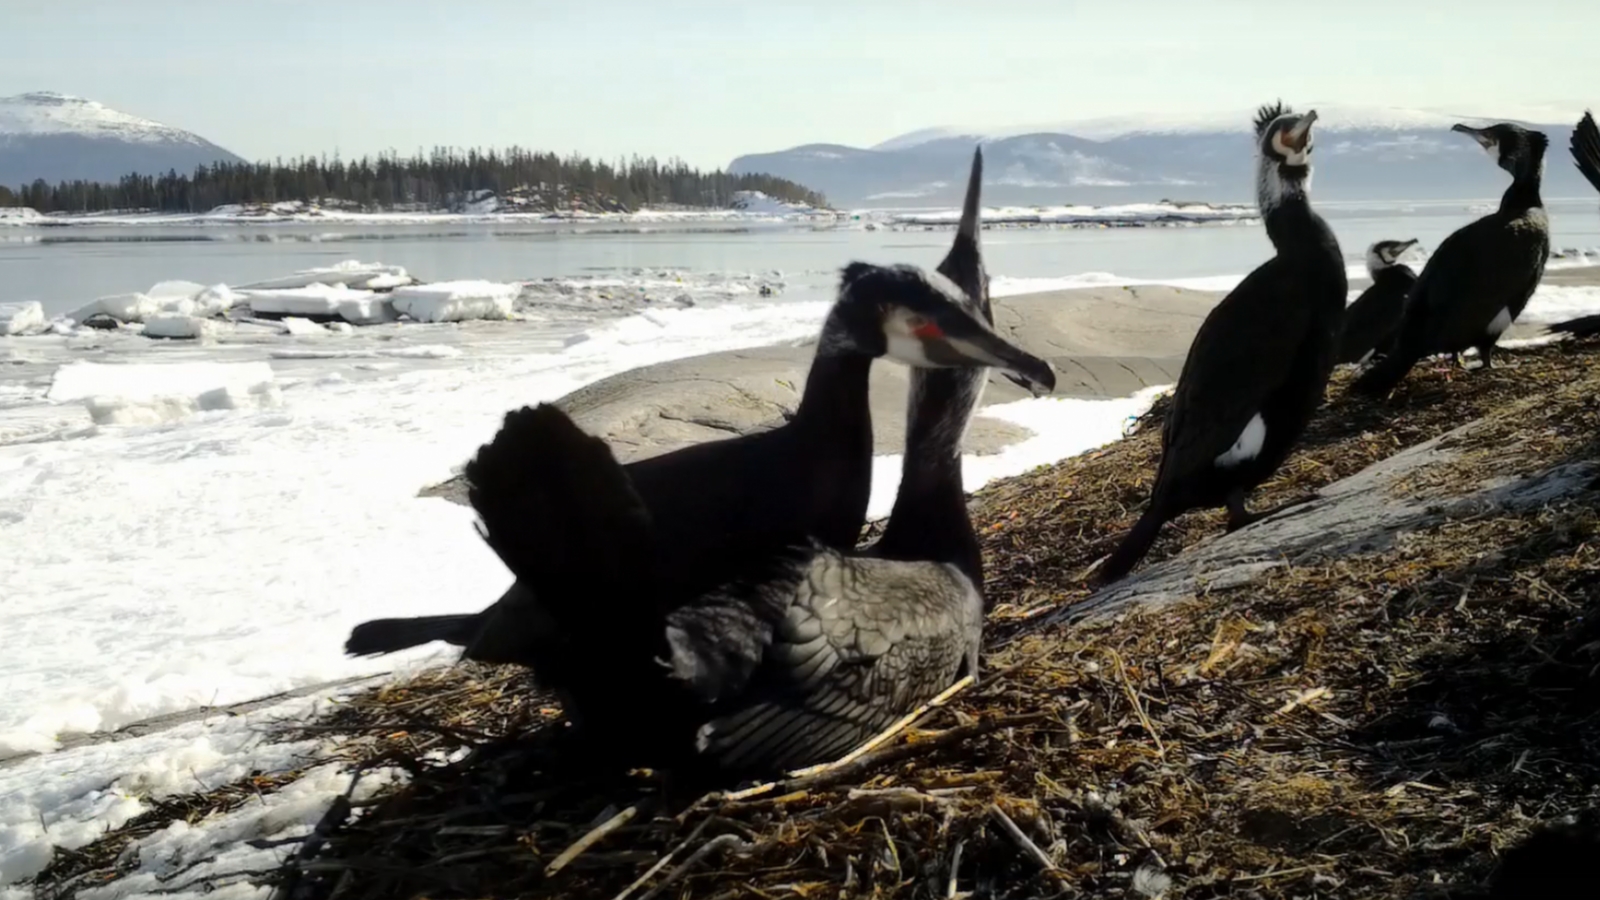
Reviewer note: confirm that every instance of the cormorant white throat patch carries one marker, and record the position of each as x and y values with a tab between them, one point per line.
1248	446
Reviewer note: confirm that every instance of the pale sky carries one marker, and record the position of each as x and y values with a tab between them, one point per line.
710	79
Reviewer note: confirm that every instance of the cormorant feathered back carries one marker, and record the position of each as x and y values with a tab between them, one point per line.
1370	322
1260	362
863	638
807	479
1481	276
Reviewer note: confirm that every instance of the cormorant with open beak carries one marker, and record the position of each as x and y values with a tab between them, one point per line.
1259	364
1483	274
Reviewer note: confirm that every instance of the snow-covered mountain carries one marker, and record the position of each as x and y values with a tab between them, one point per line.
56	136
1362	153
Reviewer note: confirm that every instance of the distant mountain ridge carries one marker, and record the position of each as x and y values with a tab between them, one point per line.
58	137
1363	153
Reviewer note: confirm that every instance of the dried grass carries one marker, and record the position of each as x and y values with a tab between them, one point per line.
1371	726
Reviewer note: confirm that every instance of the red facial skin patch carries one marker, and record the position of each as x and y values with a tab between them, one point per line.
928	331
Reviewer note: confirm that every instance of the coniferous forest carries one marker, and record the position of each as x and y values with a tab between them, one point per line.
443	179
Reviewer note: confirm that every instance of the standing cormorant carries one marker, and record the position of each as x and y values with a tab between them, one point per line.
1585	148
802	654
808	479
1260	362
1370	322
1480	278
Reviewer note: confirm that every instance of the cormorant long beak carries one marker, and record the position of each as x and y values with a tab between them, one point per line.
1296	136
1480	135
956	338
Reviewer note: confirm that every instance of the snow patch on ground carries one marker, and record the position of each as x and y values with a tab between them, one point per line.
215	852
153	393
1062	428
19	215
456	301
758	202
1558	303
156	410
144	381
68	799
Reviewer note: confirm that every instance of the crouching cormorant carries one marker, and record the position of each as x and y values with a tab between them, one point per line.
806	650
1585	148
1482	275
1370	322
1260	362
807	479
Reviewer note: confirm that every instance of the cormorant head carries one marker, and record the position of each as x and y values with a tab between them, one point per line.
1386	254
1284	140
1518	150
931	319
922	319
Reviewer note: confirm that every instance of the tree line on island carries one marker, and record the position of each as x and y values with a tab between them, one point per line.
446	178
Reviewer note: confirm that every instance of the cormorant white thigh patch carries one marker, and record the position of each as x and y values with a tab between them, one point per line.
1248	446
1500	322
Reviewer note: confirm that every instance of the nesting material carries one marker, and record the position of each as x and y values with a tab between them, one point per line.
1373	725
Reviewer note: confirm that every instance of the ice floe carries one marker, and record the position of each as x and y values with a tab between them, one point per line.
22	318
455	301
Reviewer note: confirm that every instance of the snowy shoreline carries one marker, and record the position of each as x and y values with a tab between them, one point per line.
763	210
214	530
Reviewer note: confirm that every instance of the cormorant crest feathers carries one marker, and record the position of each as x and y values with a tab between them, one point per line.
1266	115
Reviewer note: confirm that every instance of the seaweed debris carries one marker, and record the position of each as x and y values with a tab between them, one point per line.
1377	725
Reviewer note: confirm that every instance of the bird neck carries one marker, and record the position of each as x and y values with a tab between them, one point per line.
834	415
1292	224
929	520
1523	194
1392	272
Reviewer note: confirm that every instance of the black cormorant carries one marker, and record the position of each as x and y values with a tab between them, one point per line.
1481	276
803	654
1260	362
1370	322
808	479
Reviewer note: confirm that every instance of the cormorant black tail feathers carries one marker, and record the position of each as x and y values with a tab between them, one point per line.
381	636
1383	376
1586	149
1582	326
1133	547
556	506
